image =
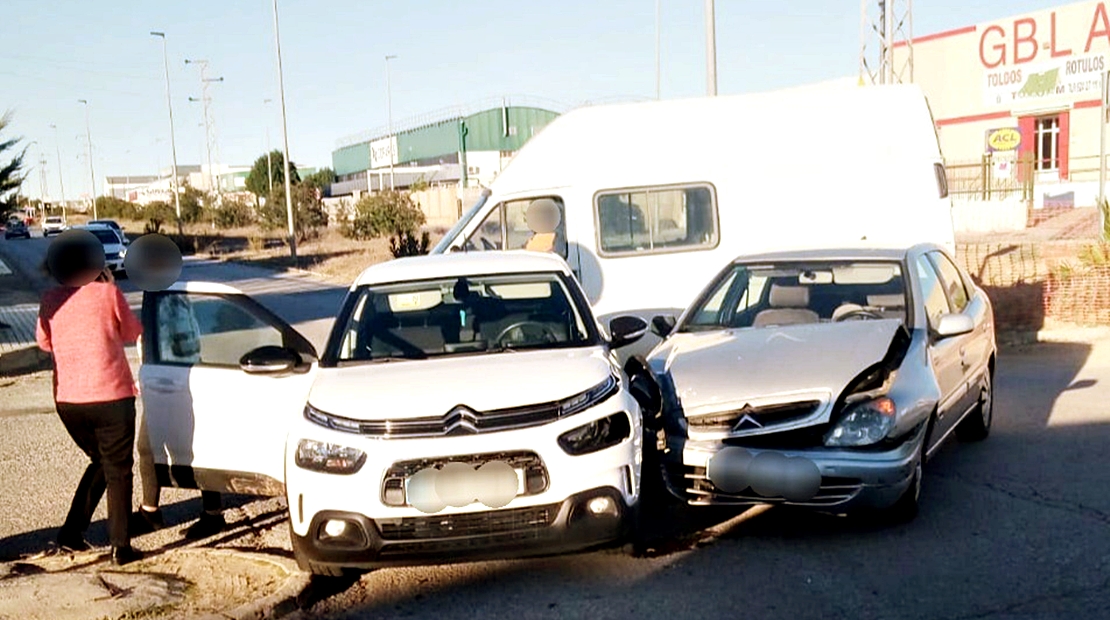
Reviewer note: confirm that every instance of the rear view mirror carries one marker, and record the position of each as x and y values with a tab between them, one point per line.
663	325
954	325
624	330
269	360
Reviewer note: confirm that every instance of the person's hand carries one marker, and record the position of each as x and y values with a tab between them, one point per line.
106	276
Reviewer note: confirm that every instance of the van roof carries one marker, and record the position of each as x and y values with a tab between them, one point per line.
460	264
675	141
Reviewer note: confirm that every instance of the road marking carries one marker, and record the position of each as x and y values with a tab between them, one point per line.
4	270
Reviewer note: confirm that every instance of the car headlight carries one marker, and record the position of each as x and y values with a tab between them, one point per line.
328	458
597	435
863	424
593	396
123	252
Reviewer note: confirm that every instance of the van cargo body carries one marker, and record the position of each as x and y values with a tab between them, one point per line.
656	196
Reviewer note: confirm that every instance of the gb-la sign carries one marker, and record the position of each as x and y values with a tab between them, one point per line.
1074	30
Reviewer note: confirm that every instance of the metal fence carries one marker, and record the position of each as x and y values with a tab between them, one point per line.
984	180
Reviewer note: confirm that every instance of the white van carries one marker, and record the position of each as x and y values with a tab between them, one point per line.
655	197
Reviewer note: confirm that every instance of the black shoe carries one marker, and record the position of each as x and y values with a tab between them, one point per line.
72	544
207	525
125	555
146	521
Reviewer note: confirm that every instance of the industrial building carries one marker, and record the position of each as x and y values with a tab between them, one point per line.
464	147
1017	101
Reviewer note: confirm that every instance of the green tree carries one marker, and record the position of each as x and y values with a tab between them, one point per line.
308	211
192	205
10	171
110	207
384	214
321	180
258	181
233	213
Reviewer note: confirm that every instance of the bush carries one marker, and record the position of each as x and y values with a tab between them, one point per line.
233	214
153	226
382	214
308	211
110	207
407	245
161	211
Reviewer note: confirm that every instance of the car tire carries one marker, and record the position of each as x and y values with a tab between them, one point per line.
976	426
906	508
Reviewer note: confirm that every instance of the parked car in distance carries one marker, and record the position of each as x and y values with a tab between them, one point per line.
53	225
16	229
113	225
115	250
824	378
465	406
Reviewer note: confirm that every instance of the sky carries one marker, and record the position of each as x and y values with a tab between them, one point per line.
448	53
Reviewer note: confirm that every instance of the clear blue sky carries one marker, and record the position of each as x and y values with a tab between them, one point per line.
449	52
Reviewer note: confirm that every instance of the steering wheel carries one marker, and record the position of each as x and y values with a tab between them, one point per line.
548	334
860	313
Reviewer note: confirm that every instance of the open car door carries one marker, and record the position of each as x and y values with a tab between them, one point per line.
222	380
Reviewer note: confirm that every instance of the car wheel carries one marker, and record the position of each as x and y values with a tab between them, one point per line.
977	425
905	509
322	570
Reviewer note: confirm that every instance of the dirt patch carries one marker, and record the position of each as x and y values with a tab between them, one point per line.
182	584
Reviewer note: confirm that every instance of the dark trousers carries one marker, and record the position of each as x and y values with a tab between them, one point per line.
105	432
152	491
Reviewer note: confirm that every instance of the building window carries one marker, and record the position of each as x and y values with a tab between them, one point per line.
1047	141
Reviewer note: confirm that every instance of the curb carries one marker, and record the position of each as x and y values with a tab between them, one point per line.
277	605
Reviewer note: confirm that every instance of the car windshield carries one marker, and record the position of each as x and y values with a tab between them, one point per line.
775	295
467	315
105	236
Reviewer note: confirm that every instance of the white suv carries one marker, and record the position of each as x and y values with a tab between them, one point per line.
466	406
53	225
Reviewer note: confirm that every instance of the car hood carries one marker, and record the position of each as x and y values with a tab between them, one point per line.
712	371
421	388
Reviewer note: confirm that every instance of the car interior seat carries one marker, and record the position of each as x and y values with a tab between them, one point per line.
789	306
890	306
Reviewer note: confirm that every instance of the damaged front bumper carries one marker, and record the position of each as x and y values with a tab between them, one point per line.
831	479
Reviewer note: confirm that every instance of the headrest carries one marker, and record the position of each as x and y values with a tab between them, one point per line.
789	296
886	301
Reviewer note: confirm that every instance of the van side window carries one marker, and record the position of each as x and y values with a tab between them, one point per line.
528	224
662	219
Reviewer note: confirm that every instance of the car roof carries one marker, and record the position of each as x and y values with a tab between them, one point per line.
460	264
862	253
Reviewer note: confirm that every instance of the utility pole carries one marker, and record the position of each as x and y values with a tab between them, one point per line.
92	175
880	35
658	30
173	140
285	140
389	115
711	48
269	160
61	183
1104	108
42	179
210	138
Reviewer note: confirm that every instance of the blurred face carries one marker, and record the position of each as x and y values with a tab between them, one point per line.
542	216
75	258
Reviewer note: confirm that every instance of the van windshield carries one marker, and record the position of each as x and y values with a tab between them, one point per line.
445	242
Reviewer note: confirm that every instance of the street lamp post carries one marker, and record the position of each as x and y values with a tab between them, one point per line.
61	183
285	140
173	139
92	175
711	48
389	116
269	158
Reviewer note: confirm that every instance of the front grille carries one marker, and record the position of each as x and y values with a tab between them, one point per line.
757	417
462	420
694	483
535	472
519	522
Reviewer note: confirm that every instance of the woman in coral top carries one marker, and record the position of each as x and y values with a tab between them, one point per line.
85	324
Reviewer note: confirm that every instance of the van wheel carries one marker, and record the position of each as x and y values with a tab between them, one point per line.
976	426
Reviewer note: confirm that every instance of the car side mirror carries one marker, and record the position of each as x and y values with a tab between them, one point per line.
269	360
624	330
663	325
954	325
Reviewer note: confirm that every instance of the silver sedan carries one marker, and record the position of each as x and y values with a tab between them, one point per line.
823	378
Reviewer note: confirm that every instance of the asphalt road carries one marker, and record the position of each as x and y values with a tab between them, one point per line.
1015	527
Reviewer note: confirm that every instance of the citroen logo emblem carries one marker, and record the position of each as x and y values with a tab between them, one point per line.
460	421
746	422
